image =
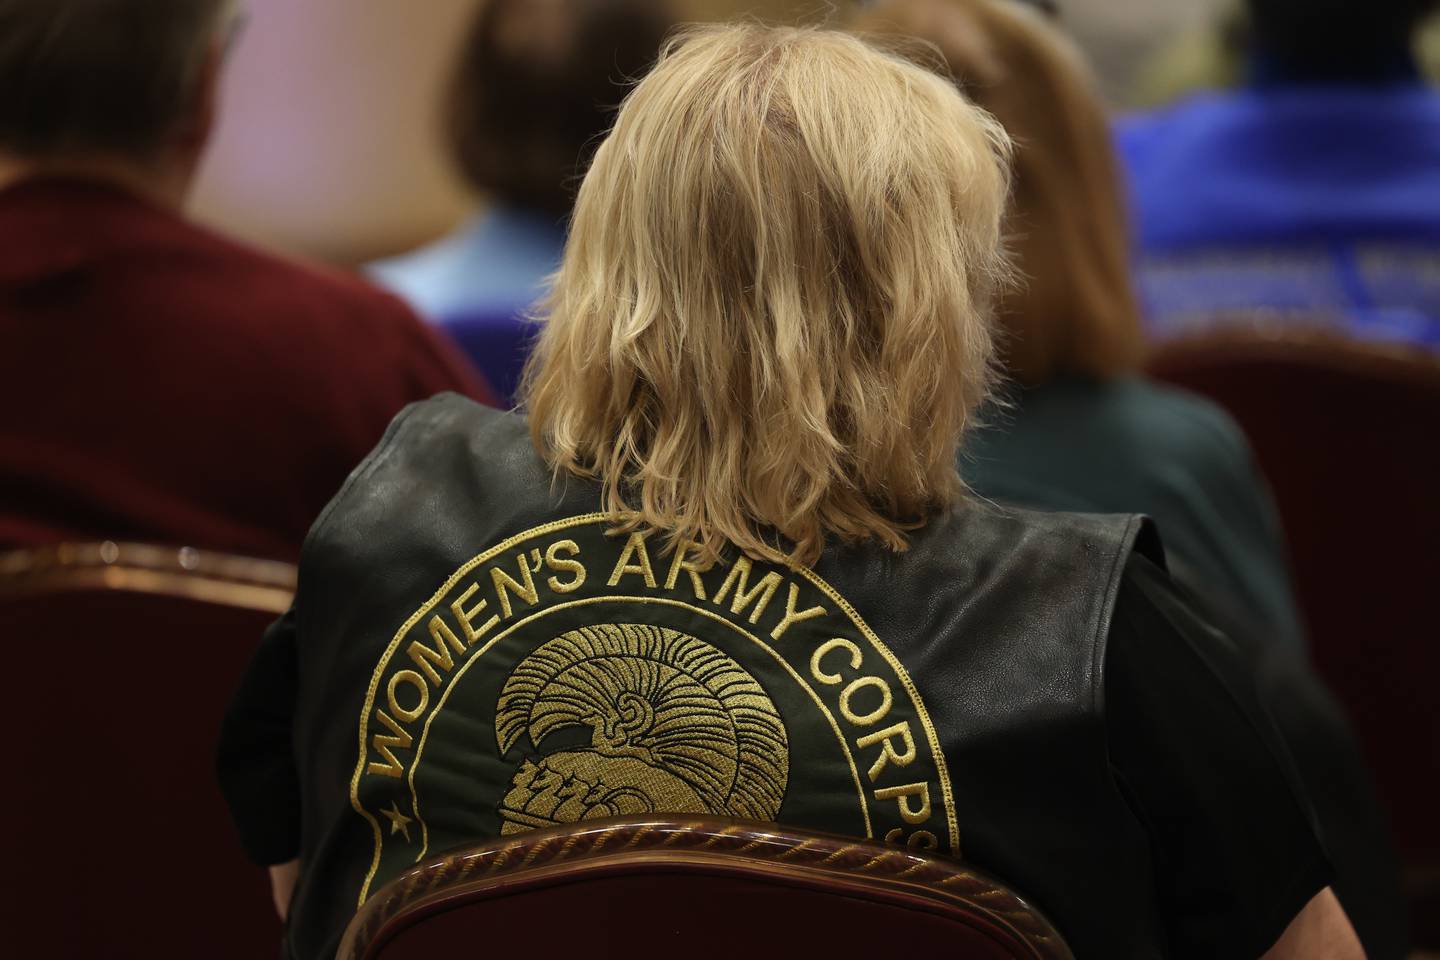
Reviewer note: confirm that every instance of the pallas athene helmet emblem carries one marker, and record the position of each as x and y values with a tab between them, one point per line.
676	726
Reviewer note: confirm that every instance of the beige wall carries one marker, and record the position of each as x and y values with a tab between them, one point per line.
328	143
786	10
1121	36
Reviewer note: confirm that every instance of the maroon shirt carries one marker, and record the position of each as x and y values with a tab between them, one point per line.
161	383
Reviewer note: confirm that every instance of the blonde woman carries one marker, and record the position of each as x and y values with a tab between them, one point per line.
728	567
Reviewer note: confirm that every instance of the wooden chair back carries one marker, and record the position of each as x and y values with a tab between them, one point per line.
707	889
123	658
1349	435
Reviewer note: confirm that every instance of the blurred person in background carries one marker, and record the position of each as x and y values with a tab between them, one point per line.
1214	55
534	91
1083	431
768	334
160	382
1310	195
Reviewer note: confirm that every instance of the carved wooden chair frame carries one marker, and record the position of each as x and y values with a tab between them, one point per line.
1259	342
181	572
602	848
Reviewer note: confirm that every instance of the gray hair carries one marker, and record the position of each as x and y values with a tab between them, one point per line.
100	76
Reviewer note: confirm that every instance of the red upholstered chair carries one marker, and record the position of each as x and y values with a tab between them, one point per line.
702	889
116	842
1349	435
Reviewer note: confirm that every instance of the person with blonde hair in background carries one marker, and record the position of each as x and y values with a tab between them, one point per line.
724	563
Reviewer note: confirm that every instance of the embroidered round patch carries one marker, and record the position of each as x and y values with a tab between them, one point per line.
569	674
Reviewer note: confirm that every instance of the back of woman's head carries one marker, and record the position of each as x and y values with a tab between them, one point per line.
771	323
1075	311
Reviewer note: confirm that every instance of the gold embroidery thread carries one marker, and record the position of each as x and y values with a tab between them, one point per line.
676	726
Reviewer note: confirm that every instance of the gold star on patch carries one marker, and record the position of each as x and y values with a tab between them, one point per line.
399	823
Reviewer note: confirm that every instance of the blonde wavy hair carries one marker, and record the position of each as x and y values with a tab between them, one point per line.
771	323
1076	312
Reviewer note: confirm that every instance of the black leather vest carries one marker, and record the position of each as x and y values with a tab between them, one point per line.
502	659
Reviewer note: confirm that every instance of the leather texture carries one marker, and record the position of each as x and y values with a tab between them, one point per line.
988	637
